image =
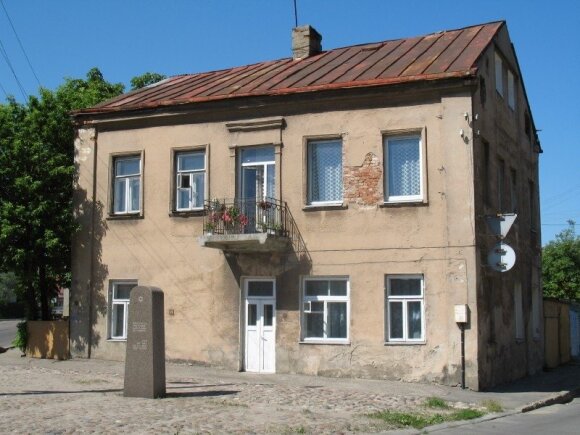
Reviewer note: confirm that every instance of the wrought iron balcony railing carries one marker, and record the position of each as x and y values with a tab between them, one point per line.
250	216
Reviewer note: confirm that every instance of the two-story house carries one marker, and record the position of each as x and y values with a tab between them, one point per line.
319	214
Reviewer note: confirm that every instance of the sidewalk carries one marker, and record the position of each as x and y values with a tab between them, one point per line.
46	396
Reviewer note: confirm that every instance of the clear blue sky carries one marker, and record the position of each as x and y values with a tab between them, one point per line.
125	38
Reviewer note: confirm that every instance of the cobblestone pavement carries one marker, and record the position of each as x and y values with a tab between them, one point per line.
80	396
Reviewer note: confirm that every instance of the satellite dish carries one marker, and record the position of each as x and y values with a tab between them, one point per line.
501	257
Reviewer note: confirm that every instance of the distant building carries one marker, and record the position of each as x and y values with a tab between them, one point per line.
320	214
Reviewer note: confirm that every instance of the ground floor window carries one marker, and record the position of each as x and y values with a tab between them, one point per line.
404	308
119	308
325	309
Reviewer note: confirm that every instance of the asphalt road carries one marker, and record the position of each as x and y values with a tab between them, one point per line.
556	419
7	332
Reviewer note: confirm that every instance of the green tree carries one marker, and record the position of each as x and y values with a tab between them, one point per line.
561	265
145	80
36	179
7	288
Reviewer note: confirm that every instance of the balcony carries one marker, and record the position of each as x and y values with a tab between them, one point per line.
250	225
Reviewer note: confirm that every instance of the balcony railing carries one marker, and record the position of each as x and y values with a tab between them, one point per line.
268	218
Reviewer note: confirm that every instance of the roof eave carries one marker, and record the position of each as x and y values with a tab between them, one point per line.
86	113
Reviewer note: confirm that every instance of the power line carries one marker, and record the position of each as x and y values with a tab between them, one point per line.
4	90
5	56
557	225
20	42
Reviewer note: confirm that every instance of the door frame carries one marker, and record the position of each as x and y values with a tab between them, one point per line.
240	166
244	310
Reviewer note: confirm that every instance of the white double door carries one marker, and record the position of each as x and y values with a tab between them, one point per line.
260	320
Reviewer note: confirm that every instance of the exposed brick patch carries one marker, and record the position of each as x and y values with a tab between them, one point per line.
362	184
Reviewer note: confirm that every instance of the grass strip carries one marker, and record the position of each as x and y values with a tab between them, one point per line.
419	420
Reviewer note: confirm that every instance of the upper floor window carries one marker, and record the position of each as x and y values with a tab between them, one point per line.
532	204
403	169
325	309
511	88
498	74
190	180
501	185
324	171
514	190
528	126
127	185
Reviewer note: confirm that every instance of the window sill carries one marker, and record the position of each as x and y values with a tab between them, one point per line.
326	342
124	217
187	213
412	203
329	206
405	343
117	340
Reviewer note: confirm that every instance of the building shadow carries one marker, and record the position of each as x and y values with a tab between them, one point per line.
563	378
87	295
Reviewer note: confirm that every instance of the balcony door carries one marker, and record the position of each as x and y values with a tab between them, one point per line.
260	329
258	168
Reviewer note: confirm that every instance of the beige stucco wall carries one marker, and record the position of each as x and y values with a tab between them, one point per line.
362	241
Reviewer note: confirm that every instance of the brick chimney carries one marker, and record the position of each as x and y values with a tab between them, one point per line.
306	41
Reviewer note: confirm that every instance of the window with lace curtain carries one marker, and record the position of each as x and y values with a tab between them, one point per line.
403	169
324	172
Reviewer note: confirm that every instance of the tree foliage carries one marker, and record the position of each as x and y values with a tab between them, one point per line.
561	266
7	287
145	80
36	181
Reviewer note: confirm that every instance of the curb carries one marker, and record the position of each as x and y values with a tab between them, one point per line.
558	398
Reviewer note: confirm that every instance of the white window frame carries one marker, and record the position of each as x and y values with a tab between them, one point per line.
307	300
511	90
402	198
313	142
404	300
118	301
179	174
498	74
126	179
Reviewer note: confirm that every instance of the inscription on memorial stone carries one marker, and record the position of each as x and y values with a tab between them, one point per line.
139	327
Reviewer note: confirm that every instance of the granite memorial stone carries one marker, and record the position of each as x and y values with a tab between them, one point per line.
145	358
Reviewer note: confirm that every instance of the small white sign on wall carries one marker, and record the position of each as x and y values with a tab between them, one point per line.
461	313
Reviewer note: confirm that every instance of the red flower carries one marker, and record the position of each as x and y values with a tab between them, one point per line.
243	219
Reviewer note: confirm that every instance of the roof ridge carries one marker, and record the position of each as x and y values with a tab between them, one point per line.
362	44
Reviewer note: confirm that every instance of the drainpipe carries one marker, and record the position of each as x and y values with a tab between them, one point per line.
462	326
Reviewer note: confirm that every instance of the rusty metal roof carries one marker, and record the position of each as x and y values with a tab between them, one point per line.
440	55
